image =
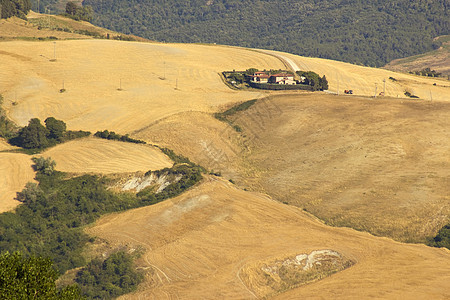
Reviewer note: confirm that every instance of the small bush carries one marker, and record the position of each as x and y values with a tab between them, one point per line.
111	135
44	165
110	278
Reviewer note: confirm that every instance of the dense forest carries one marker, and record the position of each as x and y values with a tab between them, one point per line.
18	8
368	32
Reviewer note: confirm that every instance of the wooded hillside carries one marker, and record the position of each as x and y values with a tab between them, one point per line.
359	31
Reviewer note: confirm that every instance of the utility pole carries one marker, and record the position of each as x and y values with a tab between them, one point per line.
376	87
338	87
384	87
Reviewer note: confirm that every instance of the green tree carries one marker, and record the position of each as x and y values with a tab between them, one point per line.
71	8
323	83
30	193
44	165
33	136
18	8
116	273
31	278
56	128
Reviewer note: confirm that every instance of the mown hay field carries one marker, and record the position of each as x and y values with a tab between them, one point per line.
376	165
94	155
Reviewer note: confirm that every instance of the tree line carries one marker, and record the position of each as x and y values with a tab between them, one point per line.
17	8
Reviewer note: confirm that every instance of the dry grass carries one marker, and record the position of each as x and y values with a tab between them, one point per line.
4	146
15	172
93	155
92	71
364	80
204	244
375	165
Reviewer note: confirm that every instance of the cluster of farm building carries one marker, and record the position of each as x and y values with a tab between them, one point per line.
279	78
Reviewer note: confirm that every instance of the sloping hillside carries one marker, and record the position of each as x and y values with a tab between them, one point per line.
49	27
438	60
93	155
160	79
216	241
375	165
365	32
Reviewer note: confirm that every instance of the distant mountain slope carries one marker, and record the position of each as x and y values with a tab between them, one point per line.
438	60
360	31
43	26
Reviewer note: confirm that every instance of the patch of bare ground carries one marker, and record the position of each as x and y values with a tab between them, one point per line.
15	172
94	155
377	165
215	240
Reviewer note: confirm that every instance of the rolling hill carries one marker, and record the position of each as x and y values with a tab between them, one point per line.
363	32
374	164
213	241
438	60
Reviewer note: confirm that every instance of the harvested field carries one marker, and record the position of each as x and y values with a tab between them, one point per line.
157	80
376	165
206	243
369	81
15	172
380	166
4	146
94	155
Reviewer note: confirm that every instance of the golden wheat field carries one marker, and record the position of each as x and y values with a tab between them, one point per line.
209	242
15	172
94	155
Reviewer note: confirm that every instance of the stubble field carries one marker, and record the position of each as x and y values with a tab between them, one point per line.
94	155
377	165
210	243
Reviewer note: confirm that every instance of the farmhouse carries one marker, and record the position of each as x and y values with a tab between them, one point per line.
282	78
260	77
